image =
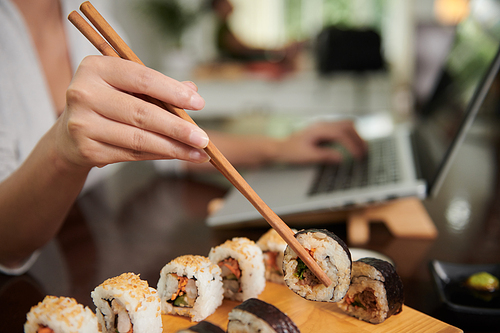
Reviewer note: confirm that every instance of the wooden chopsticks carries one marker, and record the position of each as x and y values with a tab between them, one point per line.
120	49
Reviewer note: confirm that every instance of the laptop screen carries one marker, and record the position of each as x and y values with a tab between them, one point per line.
456	94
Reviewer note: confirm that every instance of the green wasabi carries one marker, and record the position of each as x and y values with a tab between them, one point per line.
482	281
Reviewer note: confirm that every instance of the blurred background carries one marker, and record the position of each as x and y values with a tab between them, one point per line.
180	38
306	59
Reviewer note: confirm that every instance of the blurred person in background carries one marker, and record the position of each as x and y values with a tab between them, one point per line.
232	48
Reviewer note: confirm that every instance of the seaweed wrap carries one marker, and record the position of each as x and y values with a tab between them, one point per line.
190	286
254	315
273	248
60	315
376	291
203	327
127	304
332	256
242	268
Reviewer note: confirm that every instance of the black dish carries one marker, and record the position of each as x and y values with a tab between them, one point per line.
450	279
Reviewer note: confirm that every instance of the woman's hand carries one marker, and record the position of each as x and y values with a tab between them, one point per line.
311	145
104	122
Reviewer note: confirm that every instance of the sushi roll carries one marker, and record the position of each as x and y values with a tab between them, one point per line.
126	303
273	248
376	291
203	327
254	315
332	256
242	268
190	286
60	315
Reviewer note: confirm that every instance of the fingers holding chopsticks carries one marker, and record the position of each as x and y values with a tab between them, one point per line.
134	78
104	122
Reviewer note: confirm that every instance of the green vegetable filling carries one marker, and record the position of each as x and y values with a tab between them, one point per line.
301	268
181	301
231	277
357	303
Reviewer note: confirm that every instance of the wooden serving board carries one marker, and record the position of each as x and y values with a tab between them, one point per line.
312	316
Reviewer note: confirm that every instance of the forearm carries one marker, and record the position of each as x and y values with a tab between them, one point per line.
103	123
302	147
34	201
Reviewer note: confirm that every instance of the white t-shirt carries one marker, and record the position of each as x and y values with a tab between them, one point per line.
26	108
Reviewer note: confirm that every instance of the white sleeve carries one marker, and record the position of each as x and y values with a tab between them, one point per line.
23	268
170	167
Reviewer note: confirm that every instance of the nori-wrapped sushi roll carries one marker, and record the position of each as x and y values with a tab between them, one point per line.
376	291
331	254
254	315
202	327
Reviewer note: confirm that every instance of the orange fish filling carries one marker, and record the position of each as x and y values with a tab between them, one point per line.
181	289
232	265
44	329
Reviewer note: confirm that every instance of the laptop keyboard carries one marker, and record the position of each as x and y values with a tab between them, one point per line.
379	167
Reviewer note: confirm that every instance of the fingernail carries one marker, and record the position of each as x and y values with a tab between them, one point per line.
197	102
198	138
191	85
199	156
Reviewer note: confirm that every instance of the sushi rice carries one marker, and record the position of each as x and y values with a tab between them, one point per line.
376	291
273	248
247	262
332	256
190	285
61	315
125	302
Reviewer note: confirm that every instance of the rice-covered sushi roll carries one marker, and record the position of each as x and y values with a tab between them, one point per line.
203	327
256	316
332	256
126	303
273	248
60	315
190	286
242	268
376	291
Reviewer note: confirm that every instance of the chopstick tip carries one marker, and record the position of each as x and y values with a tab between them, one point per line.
86	4
72	16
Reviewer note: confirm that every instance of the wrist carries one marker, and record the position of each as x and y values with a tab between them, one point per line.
55	152
271	148
64	166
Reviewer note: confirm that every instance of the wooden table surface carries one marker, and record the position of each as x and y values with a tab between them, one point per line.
138	220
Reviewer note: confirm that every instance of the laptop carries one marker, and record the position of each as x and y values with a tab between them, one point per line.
411	161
